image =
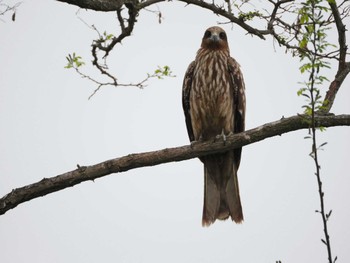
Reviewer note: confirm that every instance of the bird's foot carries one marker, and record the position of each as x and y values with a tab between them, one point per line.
222	137
193	143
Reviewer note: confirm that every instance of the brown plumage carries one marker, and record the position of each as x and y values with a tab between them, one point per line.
213	100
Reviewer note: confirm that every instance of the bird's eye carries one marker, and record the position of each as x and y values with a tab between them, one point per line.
222	35
207	34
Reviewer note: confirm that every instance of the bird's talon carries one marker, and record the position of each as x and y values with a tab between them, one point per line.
223	136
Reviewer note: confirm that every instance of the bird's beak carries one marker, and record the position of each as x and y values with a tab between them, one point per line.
215	37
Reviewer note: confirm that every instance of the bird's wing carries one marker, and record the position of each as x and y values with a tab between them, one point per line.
186	90
238	89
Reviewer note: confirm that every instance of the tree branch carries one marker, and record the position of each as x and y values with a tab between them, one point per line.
343	66
341	33
224	13
290	37
132	161
97	5
107	5
334	87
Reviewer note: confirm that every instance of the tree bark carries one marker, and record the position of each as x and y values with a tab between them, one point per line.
97	5
132	161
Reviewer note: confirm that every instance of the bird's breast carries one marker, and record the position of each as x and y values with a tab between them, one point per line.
211	97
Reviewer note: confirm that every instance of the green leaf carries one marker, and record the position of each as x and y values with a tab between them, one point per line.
303	42
301	91
74	61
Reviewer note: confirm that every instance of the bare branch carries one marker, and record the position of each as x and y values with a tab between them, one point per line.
132	161
334	87
5	8
125	32
274	12
341	34
97	5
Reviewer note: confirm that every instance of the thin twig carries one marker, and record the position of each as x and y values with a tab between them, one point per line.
314	153
125	32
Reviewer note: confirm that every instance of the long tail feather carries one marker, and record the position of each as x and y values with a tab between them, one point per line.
221	191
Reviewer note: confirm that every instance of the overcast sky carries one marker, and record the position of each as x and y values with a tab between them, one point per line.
48	126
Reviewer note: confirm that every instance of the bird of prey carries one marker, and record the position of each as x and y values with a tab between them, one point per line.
213	100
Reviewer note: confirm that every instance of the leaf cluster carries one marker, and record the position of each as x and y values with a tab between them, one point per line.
314	37
161	72
104	39
74	61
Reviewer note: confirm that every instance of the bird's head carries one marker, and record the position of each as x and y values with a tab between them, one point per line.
215	38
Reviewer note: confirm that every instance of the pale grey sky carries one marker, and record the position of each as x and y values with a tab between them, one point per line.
48	126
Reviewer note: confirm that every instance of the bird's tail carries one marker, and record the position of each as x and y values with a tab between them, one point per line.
221	191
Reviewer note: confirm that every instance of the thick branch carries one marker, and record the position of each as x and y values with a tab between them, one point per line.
334	87
343	66
97	5
132	161
341	34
